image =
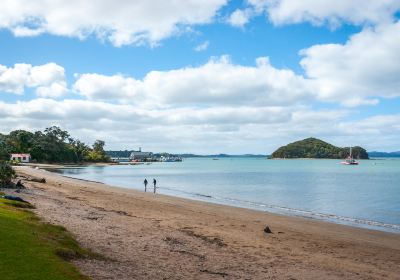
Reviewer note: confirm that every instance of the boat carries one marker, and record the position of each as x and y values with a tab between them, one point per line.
350	160
170	158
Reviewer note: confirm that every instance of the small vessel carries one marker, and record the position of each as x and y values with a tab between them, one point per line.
170	158
350	160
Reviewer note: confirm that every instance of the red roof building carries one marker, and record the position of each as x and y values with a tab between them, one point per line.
21	157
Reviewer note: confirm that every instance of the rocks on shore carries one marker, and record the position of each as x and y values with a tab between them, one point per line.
19	185
267	229
13	185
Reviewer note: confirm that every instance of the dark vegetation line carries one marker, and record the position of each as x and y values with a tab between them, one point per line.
53	145
315	148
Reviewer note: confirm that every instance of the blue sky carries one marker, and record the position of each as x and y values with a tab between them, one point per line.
204	76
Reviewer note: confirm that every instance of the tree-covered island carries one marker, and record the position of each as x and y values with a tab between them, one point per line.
316	148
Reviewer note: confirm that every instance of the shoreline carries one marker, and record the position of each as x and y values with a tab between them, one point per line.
257	206
153	235
46	166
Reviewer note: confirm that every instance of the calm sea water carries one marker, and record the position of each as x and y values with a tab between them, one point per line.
367	195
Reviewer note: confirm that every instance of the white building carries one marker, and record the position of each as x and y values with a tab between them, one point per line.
140	156
21	157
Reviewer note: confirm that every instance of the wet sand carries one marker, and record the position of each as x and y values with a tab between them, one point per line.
147	236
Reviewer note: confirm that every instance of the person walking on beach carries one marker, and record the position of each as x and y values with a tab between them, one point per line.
155	184
145	185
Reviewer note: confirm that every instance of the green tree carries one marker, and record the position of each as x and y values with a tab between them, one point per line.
4	150
315	148
20	141
80	150
51	145
6	174
98	146
98	154
57	133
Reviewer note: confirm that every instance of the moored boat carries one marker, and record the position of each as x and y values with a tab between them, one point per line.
350	160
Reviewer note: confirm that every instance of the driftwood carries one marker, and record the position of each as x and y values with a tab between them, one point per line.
31	179
37	180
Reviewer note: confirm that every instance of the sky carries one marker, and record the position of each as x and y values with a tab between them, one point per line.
204	77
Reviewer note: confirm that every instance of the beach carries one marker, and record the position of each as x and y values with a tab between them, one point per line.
153	236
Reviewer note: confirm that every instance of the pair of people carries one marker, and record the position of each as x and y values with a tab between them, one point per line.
154	184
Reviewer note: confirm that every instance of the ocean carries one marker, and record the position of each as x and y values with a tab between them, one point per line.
364	195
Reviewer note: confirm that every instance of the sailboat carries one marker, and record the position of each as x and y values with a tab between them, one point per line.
350	160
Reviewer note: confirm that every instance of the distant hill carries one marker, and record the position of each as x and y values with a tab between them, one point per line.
221	156
383	154
126	153
316	148
119	154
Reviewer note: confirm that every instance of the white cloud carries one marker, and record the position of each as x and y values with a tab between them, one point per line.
317	12
219	81
240	18
333	12
48	79
120	22
102	87
378	126
13	80
202	47
350	74
361	70
233	129
227	115
93	111
53	90
122	123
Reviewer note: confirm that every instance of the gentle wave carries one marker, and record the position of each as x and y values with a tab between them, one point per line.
293	211
372	187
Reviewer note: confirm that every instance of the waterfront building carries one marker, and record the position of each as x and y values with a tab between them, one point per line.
21	157
141	156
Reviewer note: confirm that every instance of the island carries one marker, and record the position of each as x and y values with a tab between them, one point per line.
316	148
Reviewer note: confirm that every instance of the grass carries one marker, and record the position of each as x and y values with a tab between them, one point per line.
31	249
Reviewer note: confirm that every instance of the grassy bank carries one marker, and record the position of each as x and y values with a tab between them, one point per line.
31	249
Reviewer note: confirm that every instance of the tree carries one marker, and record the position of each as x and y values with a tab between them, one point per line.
4	150
57	133
80	149
51	145
98	154
98	146
315	148
20	141
6	174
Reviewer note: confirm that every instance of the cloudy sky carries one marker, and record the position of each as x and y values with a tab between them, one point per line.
203	76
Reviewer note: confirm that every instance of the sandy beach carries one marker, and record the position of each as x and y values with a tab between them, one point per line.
147	236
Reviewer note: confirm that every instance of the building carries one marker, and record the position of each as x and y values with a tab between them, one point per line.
140	156
21	157
120	159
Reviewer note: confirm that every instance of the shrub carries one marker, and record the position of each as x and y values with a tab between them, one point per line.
14	162
6	174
